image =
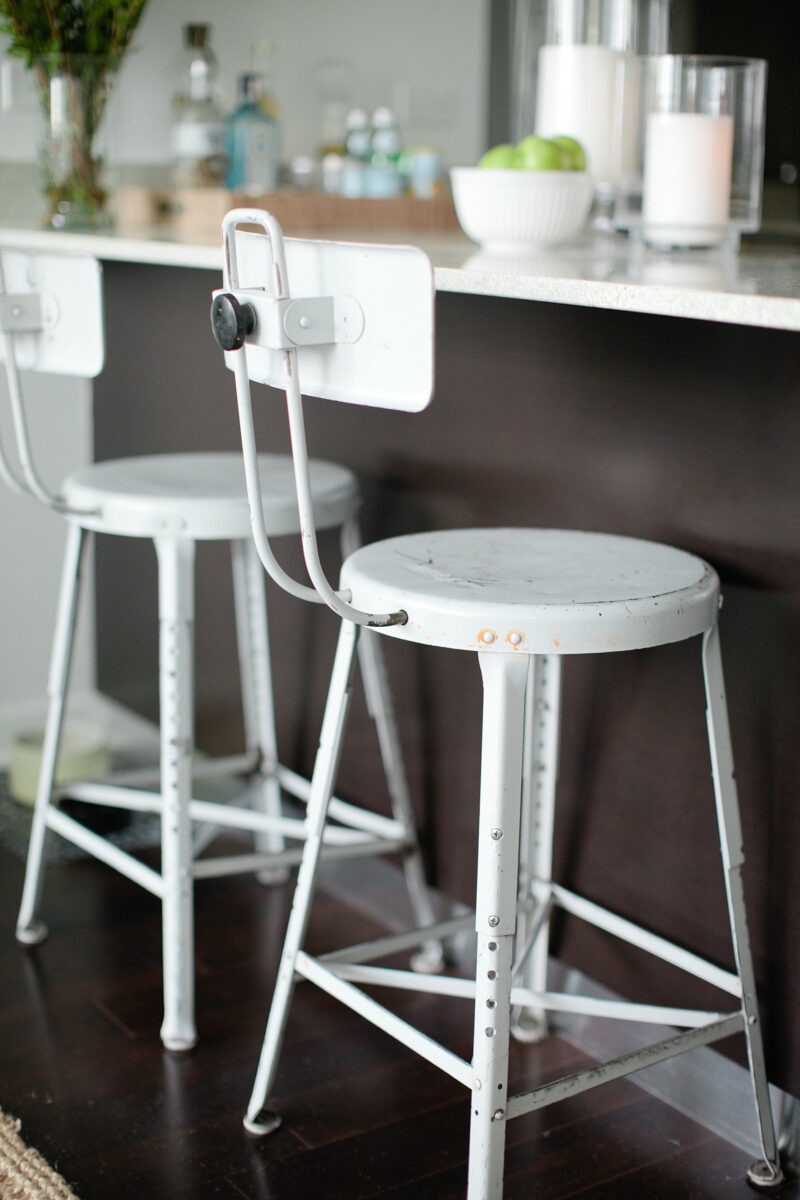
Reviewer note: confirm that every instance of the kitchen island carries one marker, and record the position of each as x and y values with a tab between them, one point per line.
589	387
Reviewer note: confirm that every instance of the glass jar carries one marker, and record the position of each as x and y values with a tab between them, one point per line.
74	90
699	161
574	74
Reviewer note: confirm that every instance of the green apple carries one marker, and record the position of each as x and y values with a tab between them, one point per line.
574	156
503	156
540	154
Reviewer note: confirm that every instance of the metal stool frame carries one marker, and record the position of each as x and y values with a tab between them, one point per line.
168	791
519	759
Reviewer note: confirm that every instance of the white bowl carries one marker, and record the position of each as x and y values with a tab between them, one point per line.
512	210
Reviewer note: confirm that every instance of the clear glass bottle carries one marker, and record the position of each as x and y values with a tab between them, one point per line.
262	65
198	126
252	142
358	135
383	177
334	88
357	151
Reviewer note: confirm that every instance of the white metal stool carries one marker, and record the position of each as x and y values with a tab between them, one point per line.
177	500
521	600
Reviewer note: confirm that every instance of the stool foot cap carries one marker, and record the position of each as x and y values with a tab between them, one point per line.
429	960
32	934
273	876
179	1045
764	1175
262	1123
529	1026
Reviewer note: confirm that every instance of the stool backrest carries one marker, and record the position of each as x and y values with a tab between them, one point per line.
51	320
345	321
382	352
59	328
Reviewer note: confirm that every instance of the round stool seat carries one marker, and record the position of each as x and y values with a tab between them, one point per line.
537	591
201	496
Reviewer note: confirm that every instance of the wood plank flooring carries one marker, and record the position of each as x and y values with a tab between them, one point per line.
121	1119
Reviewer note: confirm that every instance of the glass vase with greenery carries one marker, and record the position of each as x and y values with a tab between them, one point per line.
73	48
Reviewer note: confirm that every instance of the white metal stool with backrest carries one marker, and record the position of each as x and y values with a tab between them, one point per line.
520	599
51	320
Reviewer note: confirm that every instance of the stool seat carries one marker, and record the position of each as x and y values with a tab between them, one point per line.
201	496
535	591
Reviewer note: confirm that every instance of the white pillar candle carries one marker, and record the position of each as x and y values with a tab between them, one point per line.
576	95
687	178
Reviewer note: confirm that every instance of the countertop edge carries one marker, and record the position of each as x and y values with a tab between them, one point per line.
740	306
770	312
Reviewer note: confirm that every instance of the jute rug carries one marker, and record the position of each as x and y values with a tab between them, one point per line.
24	1175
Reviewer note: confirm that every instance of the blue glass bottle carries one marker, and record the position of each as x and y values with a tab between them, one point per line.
253	142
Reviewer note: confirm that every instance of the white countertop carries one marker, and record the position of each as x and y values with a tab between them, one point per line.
760	286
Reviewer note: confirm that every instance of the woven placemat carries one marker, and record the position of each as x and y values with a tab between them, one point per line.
24	1174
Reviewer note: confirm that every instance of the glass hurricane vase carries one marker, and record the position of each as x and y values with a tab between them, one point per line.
74	90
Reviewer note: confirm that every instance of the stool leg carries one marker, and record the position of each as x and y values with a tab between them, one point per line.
258	1120
176	682
258	704
381	709
30	930
766	1173
542	725
504	684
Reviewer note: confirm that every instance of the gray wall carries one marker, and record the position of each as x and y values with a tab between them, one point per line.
428	60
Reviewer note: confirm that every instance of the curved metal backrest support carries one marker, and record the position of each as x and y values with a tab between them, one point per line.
322	591
13	314
273	320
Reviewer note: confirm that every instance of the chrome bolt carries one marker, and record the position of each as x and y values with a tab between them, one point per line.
497	834
493	921
498	1115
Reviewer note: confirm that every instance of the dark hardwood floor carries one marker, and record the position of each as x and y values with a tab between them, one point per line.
121	1119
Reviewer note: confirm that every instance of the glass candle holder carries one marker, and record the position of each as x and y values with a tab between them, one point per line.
700	152
569	74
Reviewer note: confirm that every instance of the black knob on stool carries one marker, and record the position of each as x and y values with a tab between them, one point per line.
231	321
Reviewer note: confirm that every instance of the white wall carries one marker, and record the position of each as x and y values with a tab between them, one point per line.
428	58
31	548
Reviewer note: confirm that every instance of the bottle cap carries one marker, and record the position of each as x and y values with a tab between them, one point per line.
195	35
249	84
356	118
